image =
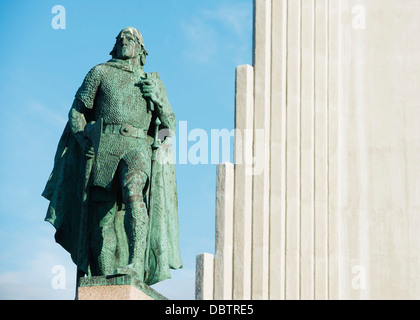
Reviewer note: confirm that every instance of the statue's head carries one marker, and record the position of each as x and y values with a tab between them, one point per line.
129	45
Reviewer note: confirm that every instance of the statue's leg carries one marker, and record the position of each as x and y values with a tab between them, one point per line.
103	237
133	183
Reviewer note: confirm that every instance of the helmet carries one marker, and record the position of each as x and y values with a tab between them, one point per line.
137	35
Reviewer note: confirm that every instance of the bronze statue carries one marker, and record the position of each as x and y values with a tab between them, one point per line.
112	190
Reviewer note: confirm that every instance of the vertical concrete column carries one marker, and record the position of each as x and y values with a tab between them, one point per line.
379	149
293	118
307	153
348	152
278	149
204	277
261	186
242	223
224	232
334	19
321	149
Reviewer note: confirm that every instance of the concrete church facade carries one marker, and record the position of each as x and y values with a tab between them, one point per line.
323	201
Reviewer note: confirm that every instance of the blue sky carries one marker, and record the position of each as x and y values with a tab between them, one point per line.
195	45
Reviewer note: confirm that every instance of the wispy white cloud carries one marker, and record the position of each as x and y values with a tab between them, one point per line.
27	265
225	29
202	46
47	114
34	280
180	287
235	17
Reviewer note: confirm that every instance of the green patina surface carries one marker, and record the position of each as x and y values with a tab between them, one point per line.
112	191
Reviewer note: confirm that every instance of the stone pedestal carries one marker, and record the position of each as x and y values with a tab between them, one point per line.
122	287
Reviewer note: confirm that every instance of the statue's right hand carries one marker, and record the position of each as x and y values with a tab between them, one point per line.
88	149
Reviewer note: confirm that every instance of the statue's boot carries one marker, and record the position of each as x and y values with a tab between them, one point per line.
103	239
136	220
137	224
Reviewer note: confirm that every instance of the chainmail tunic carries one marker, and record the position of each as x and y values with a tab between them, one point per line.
115	96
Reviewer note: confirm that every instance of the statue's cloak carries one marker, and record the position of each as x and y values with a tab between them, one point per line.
66	192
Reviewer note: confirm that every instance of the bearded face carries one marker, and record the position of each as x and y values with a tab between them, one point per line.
129	45
126	46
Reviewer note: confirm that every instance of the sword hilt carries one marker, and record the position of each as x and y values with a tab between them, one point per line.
156	141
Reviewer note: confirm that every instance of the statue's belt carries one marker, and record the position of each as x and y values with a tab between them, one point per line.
125	129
